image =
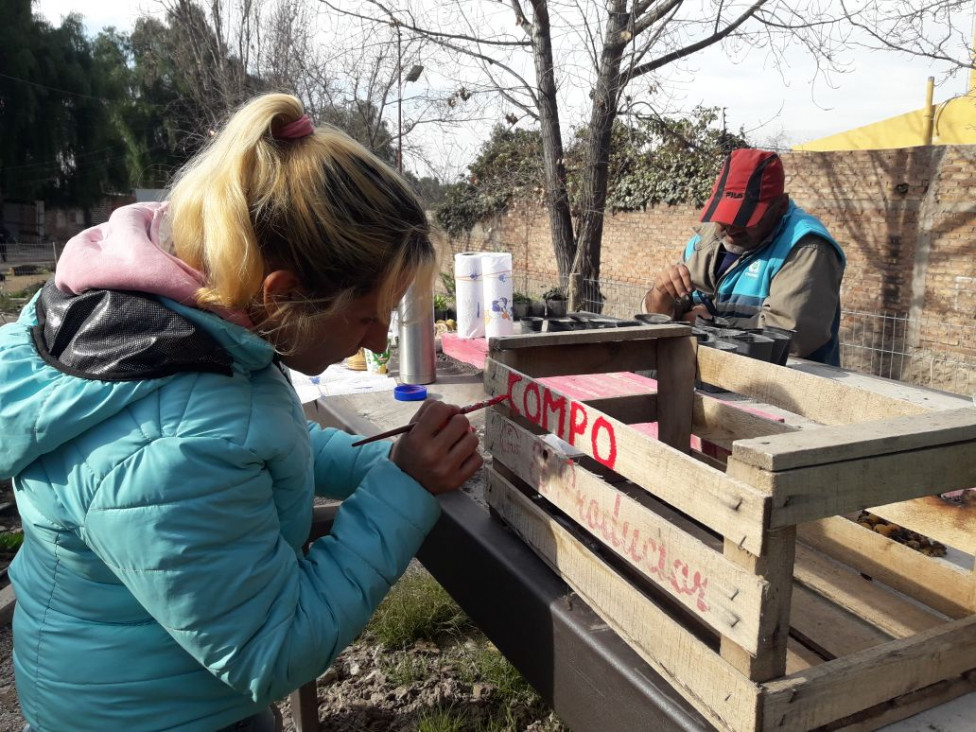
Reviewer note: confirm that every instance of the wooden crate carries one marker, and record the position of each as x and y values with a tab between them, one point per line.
735	573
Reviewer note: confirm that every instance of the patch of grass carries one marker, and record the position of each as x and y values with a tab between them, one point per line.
486	665
405	670
417	608
11	542
443	720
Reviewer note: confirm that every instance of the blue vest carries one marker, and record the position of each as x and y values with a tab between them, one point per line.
745	286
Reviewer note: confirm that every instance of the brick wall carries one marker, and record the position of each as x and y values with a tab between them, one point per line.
905	218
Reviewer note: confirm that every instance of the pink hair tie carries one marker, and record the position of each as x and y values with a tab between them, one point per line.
301	127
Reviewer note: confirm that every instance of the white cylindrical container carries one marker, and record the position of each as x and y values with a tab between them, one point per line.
418	357
496	273
468	295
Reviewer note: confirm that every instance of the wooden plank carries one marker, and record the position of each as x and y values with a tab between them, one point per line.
727	598
948	521
584	351
822	400
775	566
733	509
906	705
723	422
719	692
630	334
8	600
799	657
936	583
305	707
818	491
830	629
676	391
922	396
840	584
821	694
627	409
865	439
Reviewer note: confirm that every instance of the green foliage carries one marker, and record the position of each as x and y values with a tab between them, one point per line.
668	161
651	161
520	298
417	608
407	669
10	542
508	166
441	302
443	719
554	293
447	279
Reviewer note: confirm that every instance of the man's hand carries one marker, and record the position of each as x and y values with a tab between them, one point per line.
670	284
441	451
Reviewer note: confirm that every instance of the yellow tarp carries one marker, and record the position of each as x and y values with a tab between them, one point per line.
954	124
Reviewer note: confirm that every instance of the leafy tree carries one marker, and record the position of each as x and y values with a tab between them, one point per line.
655	160
508	166
628	43
56	136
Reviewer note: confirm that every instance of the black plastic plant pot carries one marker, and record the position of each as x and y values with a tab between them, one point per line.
559	324
556	308
533	324
782	338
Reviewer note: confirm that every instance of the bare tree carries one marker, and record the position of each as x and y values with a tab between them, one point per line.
529	51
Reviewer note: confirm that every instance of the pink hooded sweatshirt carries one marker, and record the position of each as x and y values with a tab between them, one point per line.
126	253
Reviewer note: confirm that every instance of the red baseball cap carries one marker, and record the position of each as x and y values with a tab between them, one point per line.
750	180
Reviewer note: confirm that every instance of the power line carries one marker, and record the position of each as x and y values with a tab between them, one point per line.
52	88
103	100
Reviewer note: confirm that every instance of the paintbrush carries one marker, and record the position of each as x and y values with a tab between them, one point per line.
407	427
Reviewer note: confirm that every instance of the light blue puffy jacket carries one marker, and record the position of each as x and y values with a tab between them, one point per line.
161	584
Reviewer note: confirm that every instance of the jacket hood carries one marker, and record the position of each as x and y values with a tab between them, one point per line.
55	384
127	252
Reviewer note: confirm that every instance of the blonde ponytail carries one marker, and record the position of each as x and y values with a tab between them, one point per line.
319	205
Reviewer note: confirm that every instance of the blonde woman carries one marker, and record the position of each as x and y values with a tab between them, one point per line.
161	463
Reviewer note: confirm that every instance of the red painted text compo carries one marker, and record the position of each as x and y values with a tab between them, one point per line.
537	404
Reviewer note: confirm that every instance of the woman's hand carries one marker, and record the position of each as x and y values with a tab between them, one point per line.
441	451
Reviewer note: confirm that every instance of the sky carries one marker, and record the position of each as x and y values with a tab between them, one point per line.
771	109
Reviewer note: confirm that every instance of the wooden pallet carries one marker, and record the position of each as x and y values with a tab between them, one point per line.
740	579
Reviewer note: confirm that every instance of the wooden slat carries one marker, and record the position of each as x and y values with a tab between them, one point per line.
799	657
775	566
906	705
726	597
721	694
630	334
822	400
584	352
951	522
733	509
842	585
938	584
628	409
829	628
821	694
676	391
818	491
723	423
866	439
8	601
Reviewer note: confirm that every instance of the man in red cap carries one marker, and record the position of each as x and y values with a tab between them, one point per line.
759	261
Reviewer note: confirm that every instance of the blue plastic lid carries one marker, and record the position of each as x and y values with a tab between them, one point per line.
410	393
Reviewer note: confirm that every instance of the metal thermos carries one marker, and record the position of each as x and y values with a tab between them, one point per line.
418	359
